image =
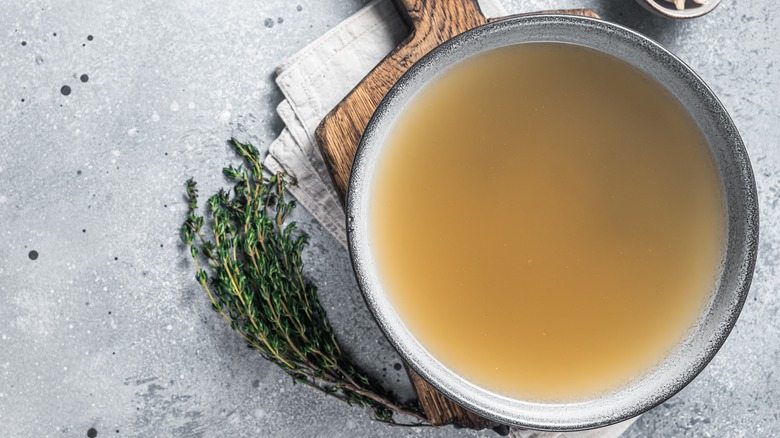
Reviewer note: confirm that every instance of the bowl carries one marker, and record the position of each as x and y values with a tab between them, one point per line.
733	166
692	10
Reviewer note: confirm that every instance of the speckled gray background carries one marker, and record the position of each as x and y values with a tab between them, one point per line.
106	328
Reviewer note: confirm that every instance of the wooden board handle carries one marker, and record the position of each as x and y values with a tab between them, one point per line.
431	22
433	15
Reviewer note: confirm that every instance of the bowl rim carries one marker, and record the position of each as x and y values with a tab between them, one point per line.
612	408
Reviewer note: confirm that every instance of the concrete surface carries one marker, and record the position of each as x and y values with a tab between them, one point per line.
102	326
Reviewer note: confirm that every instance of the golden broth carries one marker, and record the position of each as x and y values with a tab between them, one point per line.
547	221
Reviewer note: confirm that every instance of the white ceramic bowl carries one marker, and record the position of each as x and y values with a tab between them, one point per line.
728	152
667	9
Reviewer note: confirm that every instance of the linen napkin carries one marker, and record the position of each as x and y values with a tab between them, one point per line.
313	81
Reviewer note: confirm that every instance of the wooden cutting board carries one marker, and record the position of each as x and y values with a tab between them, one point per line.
431	22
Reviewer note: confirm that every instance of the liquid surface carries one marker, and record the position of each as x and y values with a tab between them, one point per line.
547	221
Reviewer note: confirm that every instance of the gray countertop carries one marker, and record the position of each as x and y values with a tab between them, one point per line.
102	325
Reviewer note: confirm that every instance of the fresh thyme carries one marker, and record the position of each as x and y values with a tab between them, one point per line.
251	269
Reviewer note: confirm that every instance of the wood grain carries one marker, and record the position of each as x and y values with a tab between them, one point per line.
440	410
431	22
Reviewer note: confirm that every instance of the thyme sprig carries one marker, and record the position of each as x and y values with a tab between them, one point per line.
251	269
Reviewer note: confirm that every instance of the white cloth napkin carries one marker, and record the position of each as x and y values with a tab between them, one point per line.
313	81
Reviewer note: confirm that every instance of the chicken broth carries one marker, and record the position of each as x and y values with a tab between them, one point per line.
547	221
